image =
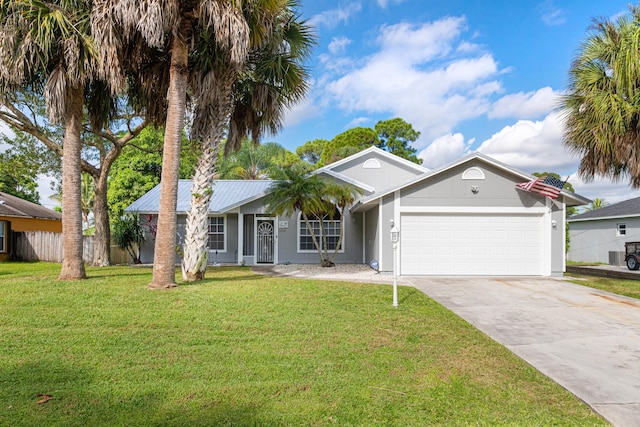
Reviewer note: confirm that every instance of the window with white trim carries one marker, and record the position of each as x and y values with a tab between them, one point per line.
3	236
217	235
621	230
331	230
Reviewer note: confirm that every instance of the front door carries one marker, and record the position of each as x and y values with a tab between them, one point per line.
265	241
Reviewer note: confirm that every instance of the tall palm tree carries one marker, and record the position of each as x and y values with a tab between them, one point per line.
155	39
272	79
48	44
602	103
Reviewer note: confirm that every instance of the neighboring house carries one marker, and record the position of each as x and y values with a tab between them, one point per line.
596	233
17	214
466	218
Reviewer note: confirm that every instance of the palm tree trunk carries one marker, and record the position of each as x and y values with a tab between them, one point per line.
196	252
164	266
102	237
72	263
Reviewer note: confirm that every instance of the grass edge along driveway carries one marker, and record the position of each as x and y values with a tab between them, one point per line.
241	349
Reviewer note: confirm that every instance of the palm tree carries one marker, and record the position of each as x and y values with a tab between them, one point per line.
341	198
297	192
596	203
602	106
48	44
253	161
156	38
271	81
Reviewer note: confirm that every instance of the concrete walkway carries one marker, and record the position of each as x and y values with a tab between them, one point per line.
586	340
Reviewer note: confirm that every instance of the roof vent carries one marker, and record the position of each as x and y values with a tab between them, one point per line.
473	173
372	164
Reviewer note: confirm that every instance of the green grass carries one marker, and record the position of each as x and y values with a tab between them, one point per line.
245	350
630	288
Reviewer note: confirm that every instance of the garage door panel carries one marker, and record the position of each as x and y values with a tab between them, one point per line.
471	244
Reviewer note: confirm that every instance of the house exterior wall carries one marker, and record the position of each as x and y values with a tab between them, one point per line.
558	239
389	174
372	235
352	242
449	189
386	250
591	241
33	224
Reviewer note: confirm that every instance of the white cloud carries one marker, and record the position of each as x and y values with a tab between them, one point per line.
338	45
532	146
384	3
357	122
528	105
300	112
604	188
443	150
332	18
551	14
419	74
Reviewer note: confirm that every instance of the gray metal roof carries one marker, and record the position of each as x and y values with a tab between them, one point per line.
227	195
627	208
14	206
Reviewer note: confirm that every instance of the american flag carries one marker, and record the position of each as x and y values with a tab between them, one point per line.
547	186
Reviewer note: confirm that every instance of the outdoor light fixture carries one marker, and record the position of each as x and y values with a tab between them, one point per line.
554	224
474	189
395	234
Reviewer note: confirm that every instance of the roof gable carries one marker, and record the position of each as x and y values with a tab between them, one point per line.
361	157
16	207
626	208
570	198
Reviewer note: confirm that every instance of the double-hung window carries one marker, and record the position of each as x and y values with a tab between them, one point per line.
331	232
3	236
217	235
621	230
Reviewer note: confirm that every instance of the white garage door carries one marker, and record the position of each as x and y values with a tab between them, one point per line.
471	244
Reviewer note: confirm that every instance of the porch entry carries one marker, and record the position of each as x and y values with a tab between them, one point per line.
265	240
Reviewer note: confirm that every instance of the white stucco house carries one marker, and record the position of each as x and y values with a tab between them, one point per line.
598	235
465	218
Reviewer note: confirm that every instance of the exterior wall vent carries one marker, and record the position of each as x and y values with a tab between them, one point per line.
473	173
371	164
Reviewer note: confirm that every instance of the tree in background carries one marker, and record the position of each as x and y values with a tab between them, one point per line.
311	151
138	168
395	136
253	161
601	105
596	203
17	176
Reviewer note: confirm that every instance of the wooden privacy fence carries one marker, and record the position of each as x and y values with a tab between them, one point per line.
47	246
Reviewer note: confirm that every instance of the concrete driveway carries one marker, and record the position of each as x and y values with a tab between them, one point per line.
586	340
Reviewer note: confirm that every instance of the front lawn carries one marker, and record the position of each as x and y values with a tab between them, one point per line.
245	350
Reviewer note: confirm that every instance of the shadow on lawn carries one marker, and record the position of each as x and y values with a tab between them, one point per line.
55	393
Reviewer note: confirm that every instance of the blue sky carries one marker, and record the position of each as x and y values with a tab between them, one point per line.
469	75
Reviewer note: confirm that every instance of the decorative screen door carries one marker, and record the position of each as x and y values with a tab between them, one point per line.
265	241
